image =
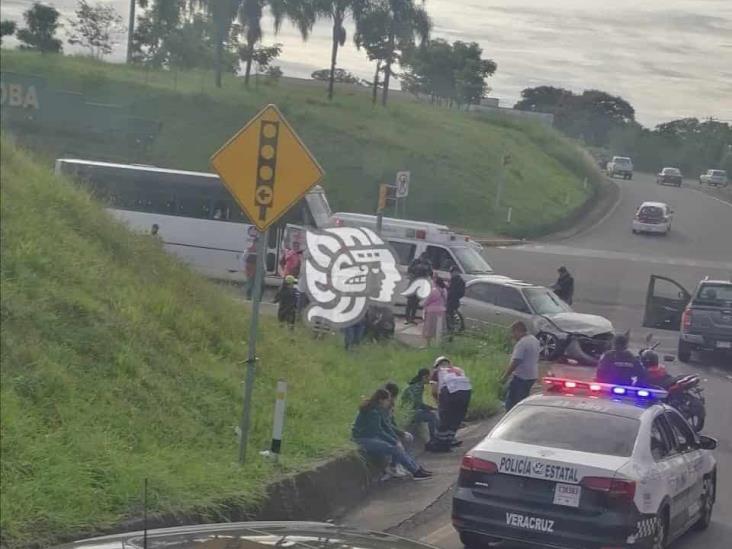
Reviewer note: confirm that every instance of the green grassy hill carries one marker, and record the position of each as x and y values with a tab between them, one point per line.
454	157
117	363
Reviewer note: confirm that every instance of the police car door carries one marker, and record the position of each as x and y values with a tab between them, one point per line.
670	468
692	476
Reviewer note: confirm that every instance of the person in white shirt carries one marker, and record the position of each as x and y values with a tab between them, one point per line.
451	389
523	369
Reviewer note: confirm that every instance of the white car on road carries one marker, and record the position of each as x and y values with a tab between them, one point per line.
587	466
622	166
718	178
653	217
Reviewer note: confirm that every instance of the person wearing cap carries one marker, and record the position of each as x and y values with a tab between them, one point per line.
619	365
523	370
564	286
287	298
451	388
413	399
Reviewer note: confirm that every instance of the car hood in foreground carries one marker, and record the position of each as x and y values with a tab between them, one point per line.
580	323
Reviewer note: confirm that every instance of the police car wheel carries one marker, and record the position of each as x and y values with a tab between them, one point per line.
710	487
472	540
660	535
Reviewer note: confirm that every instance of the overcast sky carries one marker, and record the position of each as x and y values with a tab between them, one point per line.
669	58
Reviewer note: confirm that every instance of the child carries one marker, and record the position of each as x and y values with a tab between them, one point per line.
287	298
413	397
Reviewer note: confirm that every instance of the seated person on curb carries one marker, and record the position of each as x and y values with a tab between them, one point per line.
369	434
413	398
390	425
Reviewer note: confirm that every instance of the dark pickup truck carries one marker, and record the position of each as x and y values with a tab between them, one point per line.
704	318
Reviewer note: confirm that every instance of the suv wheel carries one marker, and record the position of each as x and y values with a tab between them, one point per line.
549	346
684	351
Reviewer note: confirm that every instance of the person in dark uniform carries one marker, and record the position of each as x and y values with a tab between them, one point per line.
455	292
287	298
564	286
619	365
420	267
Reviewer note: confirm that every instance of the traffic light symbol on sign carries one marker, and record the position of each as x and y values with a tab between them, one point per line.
266	165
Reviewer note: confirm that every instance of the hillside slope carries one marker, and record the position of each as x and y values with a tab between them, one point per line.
117	363
455	157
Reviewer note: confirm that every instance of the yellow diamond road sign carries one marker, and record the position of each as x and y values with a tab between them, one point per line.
266	167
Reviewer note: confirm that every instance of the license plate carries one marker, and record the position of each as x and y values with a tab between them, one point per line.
567	494
724	345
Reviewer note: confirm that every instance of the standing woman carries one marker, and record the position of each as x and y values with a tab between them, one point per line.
452	389
434	311
371	436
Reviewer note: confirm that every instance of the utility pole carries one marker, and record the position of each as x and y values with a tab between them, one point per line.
501	180
130	31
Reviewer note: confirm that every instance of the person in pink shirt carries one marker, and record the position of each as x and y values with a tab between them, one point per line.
291	261
434	311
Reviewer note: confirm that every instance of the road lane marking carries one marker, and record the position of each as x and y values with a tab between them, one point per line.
712	197
607	254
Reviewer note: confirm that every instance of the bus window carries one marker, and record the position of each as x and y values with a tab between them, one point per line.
221	210
440	258
404	251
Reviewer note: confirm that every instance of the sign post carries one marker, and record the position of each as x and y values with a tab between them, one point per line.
402	190
505	161
267	169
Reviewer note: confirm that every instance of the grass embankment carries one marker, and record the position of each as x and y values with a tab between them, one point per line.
455	157
120	364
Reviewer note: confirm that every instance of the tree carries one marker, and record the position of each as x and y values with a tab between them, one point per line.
261	56
337	11
223	13
340	76
42	24
386	29
95	28
454	73
154	30
7	28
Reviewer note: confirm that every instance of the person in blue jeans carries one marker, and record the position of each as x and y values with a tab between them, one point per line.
370	435
413	397
523	369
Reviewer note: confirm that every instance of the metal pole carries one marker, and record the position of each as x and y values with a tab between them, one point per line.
252	356
130	31
278	423
379	221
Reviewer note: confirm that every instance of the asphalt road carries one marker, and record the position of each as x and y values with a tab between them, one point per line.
612	266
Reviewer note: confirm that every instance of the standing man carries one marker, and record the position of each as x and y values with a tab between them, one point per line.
455	292
564	286
524	367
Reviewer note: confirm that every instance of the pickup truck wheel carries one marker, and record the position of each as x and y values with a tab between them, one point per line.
684	351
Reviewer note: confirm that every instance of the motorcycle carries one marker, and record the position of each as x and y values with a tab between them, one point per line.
684	392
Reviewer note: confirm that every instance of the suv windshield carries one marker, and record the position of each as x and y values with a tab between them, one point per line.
570	429
472	261
545	302
719	295
671	171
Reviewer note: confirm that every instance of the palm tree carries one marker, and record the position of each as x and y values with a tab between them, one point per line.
406	21
250	18
222	13
337	11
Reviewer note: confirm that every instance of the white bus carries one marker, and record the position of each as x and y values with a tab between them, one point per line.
198	219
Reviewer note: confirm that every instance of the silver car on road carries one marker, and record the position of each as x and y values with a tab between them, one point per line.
498	301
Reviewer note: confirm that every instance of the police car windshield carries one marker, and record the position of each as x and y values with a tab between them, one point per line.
472	261
570	429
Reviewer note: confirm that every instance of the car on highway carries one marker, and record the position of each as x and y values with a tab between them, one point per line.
496	300
653	217
620	166
703	318
718	178
250	535
669	176
587	466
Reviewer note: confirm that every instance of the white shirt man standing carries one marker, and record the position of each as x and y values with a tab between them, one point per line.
524	367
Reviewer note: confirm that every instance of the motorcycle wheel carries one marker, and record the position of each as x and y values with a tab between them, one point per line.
694	413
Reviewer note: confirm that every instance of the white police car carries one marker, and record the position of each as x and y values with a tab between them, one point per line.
587	465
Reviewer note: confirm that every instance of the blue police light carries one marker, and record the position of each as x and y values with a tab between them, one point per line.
643	393
619	390
597	389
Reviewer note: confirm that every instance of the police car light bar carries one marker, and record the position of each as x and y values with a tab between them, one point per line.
572	386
